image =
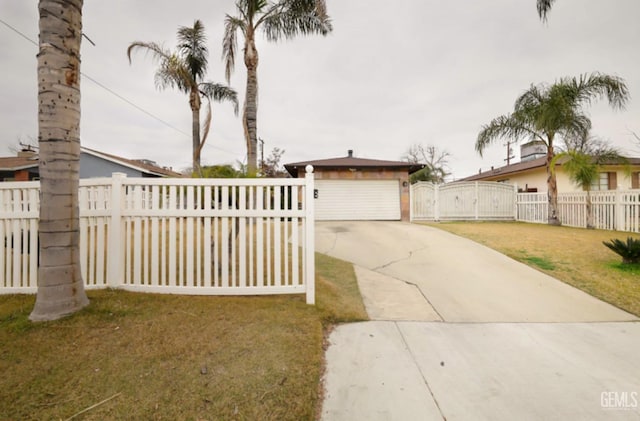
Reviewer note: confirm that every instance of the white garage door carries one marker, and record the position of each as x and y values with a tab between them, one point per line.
357	200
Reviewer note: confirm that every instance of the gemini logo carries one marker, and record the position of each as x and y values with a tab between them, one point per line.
619	400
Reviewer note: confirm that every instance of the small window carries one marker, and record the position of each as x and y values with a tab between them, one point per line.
635	180
601	183
606	181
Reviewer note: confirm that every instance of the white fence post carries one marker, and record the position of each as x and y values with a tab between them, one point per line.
436	202
618	212
309	251
515	201
114	247
411	202
476	198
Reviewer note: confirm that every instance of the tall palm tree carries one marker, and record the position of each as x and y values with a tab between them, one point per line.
60	286
545	111
283	19
583	165
544	6
185	70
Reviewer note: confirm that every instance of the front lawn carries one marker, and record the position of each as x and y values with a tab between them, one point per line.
168	357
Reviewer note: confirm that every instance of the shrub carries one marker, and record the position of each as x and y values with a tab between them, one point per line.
629	251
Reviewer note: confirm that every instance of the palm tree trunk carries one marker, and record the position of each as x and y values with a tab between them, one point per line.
589	206
552	189
250	112
60	286
194	103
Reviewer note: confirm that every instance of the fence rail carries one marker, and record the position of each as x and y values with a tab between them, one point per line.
462	201
612	210
617	210
183	236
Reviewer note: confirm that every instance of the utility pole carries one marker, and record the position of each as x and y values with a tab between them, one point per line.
510	155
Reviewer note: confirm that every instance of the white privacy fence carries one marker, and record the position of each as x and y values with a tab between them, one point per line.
182	236
462	201
612	210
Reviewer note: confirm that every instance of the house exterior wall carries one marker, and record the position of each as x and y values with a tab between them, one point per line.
372	174
537	178
21	175
91	166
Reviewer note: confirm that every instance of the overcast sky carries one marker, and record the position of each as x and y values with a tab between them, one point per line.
392	74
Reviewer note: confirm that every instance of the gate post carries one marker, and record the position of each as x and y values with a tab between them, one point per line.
309	237
114	242
436	202
515	201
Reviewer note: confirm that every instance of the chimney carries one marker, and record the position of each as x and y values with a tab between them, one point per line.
350	153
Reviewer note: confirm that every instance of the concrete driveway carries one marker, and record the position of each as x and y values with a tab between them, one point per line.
462	332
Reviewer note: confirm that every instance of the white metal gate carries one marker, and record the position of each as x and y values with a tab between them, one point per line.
463	201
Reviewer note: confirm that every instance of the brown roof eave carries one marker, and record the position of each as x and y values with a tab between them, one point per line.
294	169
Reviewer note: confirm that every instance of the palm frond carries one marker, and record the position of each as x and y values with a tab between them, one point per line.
581	167
543	8
193	49
157	51
511	126
532	98
172	72
629	250
206	127
290	18
595	86
230	43
585	164
220	93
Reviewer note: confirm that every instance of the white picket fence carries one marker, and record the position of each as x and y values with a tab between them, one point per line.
479	200
612	210
617	210
179	236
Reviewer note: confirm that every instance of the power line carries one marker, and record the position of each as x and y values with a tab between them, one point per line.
111	91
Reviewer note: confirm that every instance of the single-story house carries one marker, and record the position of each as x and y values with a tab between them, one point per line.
350	188
24	166
530	174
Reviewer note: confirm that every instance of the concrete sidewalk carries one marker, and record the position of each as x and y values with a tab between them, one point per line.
454	337
499	371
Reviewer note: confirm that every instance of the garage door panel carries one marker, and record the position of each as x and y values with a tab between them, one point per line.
357	200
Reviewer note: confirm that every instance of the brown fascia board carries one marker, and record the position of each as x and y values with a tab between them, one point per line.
350	162
508	169
148	168
526	166
16	164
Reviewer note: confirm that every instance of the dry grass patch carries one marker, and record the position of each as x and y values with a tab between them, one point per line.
573	255
173	357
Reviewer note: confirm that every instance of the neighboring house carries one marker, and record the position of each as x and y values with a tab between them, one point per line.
351	188
530	174
24	167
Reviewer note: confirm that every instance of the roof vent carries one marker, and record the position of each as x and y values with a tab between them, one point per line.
350	153
147	162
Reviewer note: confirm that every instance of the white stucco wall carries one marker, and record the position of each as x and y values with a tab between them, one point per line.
538	179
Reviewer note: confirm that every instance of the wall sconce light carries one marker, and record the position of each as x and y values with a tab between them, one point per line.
405	184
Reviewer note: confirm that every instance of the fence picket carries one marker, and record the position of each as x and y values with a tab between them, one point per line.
612	210
240	236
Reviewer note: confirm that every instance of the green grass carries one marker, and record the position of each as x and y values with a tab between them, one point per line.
540	262
573	255
169	357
